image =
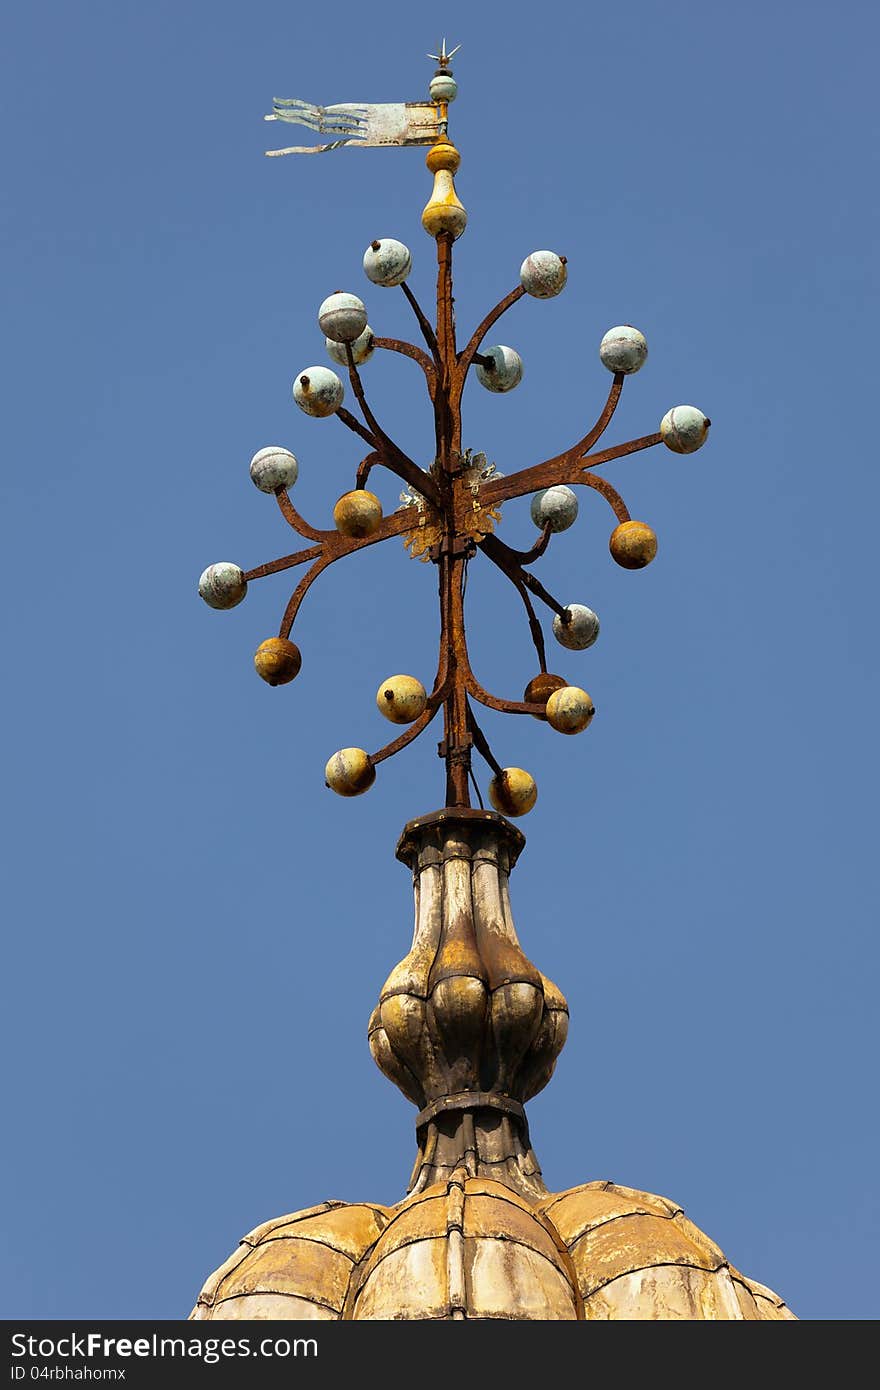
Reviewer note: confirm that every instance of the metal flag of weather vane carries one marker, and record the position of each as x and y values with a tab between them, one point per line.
451	509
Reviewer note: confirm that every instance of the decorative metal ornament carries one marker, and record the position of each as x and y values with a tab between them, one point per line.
451	509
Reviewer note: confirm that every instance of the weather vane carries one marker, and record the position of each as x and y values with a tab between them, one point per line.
451	509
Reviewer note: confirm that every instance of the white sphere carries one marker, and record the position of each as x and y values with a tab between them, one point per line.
222	585
318	391
506	371
361	349
684	429
623	349
558	505
273	467
387	262
443	87
580	631
543	274
342	317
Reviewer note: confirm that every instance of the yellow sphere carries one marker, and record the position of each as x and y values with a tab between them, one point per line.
443	155
569	710
540	688
350	772
633	545
514	792
358	514
277	661
401	699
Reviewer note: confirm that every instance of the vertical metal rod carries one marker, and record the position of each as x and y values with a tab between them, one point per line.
451	560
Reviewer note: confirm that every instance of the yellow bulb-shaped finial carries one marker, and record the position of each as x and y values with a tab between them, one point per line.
444	212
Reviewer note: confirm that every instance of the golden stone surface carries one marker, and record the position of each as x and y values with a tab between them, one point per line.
471	1248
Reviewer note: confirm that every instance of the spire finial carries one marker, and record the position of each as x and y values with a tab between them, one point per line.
443	59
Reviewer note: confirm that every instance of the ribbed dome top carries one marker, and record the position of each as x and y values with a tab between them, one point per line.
473	1249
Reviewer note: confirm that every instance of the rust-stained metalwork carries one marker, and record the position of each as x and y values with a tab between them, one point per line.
453	511
451	508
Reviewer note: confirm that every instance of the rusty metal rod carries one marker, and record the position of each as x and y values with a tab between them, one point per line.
391	457
548	474
466	356
293	518
505	558
300	592
424	324
481	743
612	497
415	353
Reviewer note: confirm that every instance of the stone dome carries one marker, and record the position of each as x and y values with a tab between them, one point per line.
469	1030
472	1249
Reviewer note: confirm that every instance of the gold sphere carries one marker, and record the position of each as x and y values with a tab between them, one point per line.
444	156
350	772
540	688
401	699
514	792
633	545
569	710
358	514
277	661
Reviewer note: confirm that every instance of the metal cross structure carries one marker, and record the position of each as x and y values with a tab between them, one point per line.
450	510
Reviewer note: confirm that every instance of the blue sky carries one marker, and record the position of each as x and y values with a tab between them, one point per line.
196	929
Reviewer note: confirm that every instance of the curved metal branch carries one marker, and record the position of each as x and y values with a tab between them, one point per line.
493	702
424	324
463	672
528	557
365	467
415	353
549	474
354	423
612	497
633	446
534	624
300	592
392	456
293	518
584	445
466	356
300	557
505	558
481	743
334	547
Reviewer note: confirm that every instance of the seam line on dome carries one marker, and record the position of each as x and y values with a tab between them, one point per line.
655	1264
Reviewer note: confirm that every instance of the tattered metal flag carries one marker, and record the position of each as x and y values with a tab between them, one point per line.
361	126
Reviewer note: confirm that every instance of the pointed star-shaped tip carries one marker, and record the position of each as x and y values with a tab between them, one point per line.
444	58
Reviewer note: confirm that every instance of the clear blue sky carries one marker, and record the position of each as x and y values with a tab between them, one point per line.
196	930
